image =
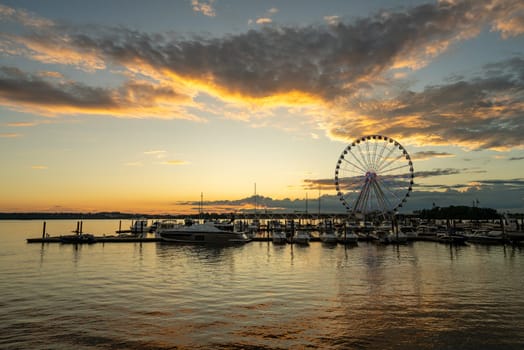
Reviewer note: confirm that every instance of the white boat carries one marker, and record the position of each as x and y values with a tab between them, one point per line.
253	228
278	235
451	237
199	233
329	237
138	228
410	232
347	235
141	226
395	238
486	237
301	237
327	234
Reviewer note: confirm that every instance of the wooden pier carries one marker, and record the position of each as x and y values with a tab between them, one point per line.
97	239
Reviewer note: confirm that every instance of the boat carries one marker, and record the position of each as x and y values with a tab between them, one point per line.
395	238
253	228
301	237
410	232
428	232
451	237
487	237
278	235
199	233
328	234
346	235
328	237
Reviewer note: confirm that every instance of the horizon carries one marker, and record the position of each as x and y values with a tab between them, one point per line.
111	107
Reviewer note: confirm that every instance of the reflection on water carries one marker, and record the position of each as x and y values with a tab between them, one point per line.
163	296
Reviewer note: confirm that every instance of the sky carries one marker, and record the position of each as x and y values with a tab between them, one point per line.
149	107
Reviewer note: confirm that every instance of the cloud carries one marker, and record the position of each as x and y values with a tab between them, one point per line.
156	153
516	158
204	7
502	195
332	20
21	124
424	155
266	19
484	112
175	162
512	24
341	68
25	18
319	184
437	172
9	135
39	167
134	99
263	20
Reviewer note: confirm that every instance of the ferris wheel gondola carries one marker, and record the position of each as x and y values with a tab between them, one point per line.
374	176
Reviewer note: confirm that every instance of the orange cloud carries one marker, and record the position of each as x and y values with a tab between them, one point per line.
21	124
263	20
10	135
57	50
204	7
175	162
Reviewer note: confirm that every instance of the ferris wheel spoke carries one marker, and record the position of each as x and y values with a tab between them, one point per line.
381	197
363	166
354	165
384	166
362	197
400	196
374	160
391	150
387	187
379	157
363	157
368	154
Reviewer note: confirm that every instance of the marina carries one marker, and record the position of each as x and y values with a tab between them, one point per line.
419	295
290	231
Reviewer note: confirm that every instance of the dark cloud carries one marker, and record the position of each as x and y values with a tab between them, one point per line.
23	90
481	113
326	61
422	155
437	172
16	85
516	158
337	64
503	195
508	183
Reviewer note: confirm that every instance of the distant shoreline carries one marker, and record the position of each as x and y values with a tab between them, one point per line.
451	212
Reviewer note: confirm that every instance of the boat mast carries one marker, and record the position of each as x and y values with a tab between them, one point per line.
319	201
201	206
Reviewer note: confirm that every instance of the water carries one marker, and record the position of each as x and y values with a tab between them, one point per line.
164	296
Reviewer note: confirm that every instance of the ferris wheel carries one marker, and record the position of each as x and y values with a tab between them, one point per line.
374	176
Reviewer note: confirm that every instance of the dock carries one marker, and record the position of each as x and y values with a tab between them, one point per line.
98	239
